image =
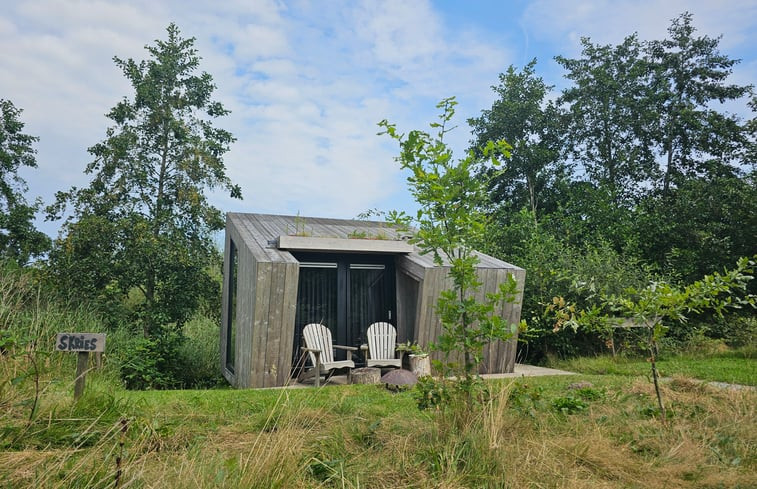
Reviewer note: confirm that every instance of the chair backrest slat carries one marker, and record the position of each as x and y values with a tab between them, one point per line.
318	337
382	339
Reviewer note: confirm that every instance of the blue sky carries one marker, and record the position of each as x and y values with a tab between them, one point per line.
308	81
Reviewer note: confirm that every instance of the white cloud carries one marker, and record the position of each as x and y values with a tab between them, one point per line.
609	21
306	81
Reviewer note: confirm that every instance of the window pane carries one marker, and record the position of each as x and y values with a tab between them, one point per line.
316	299
368	301
231	326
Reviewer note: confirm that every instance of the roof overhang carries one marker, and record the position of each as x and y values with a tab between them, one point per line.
343	245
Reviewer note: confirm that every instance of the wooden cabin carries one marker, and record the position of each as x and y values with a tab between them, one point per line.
282	272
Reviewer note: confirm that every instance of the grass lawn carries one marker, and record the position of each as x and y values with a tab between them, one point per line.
535	432
733	367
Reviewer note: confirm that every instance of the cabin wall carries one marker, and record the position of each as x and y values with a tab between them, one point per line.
273	324
499	357
246	289
246	271
265	309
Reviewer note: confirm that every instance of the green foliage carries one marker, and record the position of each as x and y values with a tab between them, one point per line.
152	363
700	226
199	355
689	74
19	240
531	125
569	404
734	330
608	115
716	292
412	348
443	394
450	220
655	177
660	302
556	268
29	366
171	360
144	224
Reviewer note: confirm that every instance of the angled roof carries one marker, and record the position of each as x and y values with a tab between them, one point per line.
261	234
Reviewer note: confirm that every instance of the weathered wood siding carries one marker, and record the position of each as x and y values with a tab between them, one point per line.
265	309
273	324
498	356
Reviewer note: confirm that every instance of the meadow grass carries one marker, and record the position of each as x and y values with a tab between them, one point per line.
534	432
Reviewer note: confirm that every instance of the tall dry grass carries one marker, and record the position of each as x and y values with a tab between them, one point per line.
318	438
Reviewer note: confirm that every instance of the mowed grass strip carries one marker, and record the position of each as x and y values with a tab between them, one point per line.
733	367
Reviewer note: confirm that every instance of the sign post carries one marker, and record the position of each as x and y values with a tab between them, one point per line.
83	343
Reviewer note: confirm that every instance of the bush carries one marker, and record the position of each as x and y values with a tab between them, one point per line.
200	354
555	268
736	330
174	360
151	363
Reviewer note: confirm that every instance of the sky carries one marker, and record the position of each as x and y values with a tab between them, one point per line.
308	81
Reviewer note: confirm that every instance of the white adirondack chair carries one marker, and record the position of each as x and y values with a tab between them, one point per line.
382	346
319	347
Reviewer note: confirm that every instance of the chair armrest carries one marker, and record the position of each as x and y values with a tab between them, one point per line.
307	350
349	350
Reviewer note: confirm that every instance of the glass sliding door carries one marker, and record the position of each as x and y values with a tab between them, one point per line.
368	299
346	293
316	298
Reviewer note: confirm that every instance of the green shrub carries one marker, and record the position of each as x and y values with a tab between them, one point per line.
736	330
569	404
200	355
151	363
556	268
190	359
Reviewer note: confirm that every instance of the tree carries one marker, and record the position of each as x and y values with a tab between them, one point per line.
144	222
608	113
702	225
530	125
689	75
749	153
19	239
650	307
450	219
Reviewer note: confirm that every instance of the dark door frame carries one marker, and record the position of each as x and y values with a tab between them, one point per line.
344	260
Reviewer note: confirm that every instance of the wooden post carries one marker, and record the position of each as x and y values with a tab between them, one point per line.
83	343
82	363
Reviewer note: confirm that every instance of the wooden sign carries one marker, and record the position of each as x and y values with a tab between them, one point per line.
86	342
83	343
